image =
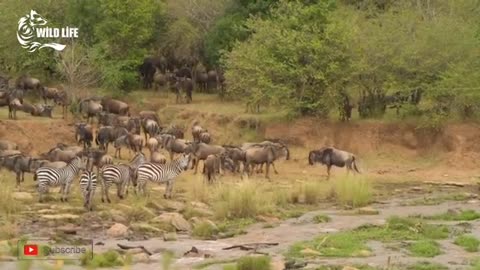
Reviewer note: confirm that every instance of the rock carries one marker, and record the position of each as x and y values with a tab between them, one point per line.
155	205
277	263
68	229
175	219
170	236
144	227
46	211
473	201
134	251
349	268
174	206
22	196
417	188
267	219
5	258
196	221
363	253
140	258
117	230
61	217
117	216
368	211
310	252
124	207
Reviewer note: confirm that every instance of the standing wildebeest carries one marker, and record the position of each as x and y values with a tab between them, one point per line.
212	80
91	108
200	151
159	80
201	80
175	131
51	93
108	134
149	115
28	83
184	86
174	145
158	158
13	106
330	156
150	128
258	155
115	106
148	67
84	134
237	155
213	164
196	131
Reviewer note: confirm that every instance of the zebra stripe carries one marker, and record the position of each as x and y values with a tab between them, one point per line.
159	173
88	184
58	177
119	175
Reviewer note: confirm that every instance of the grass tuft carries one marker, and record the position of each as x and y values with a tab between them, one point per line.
465	215
109	258
468	242
254	263
355	191
204	230
425	248
427	266
321	218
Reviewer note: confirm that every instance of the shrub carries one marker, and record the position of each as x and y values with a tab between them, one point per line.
254	263
353	191
468	242
425	248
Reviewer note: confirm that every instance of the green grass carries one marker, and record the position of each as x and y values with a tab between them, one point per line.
475	264
232	227
254	263
464	215
321	218
438	199
353	243
427	266
109	258
468	242
204	230
355	191
424	248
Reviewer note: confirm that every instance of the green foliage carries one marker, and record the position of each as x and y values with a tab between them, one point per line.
321	218
254	263
425	248
283	63
204	230
353	243
109	258
468	242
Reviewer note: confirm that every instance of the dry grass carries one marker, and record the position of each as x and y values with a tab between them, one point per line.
355	191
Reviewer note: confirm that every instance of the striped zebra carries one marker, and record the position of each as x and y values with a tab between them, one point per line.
62	177
159	173
88	184
120	175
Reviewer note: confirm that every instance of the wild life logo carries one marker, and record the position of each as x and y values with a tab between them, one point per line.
30	29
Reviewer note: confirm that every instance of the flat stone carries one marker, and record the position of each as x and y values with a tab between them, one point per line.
68	229
135	251
141	258
118	216
46	211
60	217
22	196
349	268
144	227
175	219
367	211
170	236
117	230
473	201
174	206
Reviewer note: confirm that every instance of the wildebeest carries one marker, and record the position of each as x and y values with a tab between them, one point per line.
57	154
91	108
213	164
41	110
183	89
84	134
26	82
7	145
196	131
115	106
200	151
174	145
158	158
150	128
258	155
330	156
236	154
107	135
149	115
174	130
148	67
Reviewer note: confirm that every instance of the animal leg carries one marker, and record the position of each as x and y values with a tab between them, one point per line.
328	171
267	171
274	169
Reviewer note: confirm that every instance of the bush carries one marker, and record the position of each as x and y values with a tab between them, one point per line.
468	242
204	230
254	263
425	248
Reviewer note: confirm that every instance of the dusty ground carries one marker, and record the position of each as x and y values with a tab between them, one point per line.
395	157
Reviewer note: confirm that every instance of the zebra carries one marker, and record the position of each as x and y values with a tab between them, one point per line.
88	184
62	177
160	173
120	175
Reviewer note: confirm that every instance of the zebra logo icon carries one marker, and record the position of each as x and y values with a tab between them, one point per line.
31	27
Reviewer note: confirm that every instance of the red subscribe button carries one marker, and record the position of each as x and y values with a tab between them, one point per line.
30	250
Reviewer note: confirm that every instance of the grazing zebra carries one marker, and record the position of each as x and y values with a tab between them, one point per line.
62	177
120	175
160	173
88	184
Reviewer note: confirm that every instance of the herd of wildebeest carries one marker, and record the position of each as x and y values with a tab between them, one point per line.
109	122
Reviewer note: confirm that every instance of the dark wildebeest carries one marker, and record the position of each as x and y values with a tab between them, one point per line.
84	134
115	106
147	69
26	82
330	156
183	89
